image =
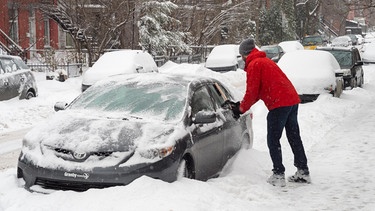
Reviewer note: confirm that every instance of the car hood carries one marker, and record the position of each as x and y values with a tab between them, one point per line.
96	140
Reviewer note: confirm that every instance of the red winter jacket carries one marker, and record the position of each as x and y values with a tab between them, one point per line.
266	81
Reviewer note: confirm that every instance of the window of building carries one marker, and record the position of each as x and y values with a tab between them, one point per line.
69	43
46	33
13	24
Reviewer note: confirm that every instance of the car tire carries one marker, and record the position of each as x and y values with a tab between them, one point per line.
29	95
185	169
353	82
361	82
246	142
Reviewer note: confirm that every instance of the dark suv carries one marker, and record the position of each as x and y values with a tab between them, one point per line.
351	64
16	79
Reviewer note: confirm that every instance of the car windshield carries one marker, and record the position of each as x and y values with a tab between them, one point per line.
270	51
307	41
344	58
151	101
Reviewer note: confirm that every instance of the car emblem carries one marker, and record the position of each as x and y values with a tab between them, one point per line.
79	155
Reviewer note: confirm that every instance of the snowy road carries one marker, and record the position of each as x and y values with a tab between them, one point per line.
10	146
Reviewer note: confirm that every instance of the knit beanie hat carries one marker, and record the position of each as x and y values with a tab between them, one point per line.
246	46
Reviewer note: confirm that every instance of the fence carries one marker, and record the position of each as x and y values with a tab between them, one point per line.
72	69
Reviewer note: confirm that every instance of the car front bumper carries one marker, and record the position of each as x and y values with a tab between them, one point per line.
78	180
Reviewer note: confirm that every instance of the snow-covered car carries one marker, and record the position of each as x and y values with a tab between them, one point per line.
291	45
350	62
368	52
312	73
16	79
224	58
310	42
360	39
273	52
118	62
343	41
164	126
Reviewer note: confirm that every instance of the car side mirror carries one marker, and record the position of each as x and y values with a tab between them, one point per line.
204	117
139	68
60	106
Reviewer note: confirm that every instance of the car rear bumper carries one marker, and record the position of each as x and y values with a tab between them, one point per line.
78	180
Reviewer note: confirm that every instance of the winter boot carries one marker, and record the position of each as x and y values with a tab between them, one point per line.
301	176
277	180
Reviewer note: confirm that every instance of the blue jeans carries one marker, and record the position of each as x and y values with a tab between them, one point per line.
277	120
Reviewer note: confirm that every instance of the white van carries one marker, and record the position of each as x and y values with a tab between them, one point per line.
118	62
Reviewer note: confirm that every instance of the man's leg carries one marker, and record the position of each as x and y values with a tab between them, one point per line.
294	139
276	120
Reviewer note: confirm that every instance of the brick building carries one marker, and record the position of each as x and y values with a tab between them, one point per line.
24	30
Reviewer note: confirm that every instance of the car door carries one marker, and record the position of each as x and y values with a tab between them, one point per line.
208	139
358	67
232	129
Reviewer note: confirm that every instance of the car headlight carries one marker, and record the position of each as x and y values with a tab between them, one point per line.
157	152
346	72
28	144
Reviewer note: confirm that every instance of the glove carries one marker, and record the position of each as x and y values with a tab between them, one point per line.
235	106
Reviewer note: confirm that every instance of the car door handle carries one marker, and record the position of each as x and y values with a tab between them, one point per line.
6	83
22	79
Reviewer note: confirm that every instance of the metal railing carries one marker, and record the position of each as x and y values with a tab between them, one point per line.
72	69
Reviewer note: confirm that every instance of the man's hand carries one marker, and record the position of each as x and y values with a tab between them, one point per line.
234	106
236	109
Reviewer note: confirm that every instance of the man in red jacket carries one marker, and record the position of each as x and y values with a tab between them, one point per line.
266	81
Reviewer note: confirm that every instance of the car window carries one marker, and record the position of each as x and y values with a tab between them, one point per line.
201	101
219	94
344	58
164	102
316	40
9	65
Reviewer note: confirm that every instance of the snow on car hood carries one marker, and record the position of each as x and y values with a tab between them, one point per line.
84	133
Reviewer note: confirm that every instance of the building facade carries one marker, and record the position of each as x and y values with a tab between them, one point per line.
25	31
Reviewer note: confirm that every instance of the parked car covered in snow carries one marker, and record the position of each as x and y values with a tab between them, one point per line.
310	42
341	41
159	125
16	79
224	58
273	52
312	73
291	45
350	62
368	52
118	62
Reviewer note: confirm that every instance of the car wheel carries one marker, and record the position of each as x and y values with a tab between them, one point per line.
246	142
29	95
353	82
361	82
185	169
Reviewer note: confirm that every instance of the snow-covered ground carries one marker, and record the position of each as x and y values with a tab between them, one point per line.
337	134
